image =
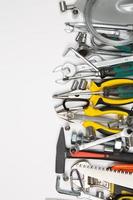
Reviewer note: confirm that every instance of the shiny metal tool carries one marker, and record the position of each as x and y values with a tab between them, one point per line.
118	178
117	68
71	26
124	133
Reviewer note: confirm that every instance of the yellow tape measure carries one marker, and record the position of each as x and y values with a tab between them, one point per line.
121	193
126	197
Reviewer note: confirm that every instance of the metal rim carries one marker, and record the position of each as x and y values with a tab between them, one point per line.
88	21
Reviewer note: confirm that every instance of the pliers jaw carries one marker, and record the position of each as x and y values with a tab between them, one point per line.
64	114
78	94
63	95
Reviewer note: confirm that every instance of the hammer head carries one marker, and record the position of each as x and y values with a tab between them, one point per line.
60	153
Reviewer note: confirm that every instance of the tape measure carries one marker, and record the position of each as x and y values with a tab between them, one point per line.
121	193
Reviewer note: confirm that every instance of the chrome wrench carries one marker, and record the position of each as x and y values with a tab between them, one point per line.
70	71
82	25
124	133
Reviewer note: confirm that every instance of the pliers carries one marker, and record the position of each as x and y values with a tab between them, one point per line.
99	119
110	92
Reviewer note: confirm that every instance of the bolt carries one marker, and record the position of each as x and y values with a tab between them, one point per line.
118	144
64	7
75	11
65	177
81	38
100	194
110	198
74	138
90	133
67	127
78	138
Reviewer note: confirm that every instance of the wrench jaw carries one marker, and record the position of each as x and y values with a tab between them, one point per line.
67	70
82	58
70	72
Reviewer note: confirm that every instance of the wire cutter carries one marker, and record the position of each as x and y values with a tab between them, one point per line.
110	92
99	119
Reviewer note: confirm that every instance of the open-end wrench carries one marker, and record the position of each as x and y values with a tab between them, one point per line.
91	65
71	72
125	133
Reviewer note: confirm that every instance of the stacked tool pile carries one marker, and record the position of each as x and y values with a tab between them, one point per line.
94	155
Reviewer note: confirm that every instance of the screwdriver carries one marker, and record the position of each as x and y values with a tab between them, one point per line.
117	71
126	48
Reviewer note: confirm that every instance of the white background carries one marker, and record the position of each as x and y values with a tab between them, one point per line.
32	41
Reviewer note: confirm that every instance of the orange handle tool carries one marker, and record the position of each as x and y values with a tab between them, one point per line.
123	167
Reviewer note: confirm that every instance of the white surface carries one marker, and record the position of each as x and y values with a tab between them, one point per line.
32	41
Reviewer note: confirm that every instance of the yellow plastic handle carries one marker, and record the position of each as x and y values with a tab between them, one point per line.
95	99
93	112
98	127
115	82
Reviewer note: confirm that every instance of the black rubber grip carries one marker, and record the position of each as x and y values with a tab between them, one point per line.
121	157
107	72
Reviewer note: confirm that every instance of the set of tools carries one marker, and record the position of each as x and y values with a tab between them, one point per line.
94	154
